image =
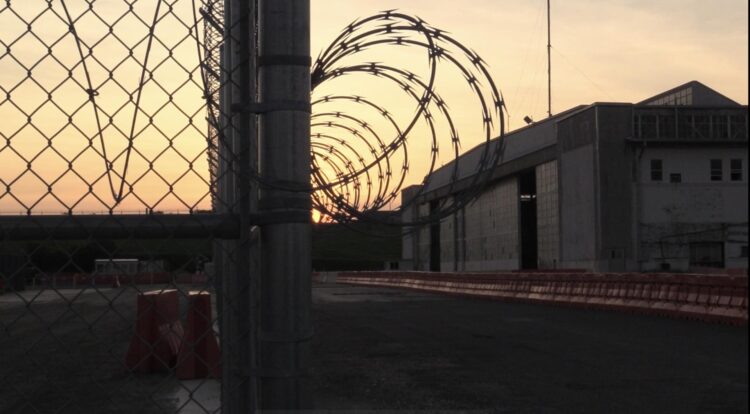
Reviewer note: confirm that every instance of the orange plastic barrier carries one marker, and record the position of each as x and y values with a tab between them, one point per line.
158	333
199	355
713	298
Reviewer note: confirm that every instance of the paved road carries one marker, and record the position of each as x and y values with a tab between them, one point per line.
378	348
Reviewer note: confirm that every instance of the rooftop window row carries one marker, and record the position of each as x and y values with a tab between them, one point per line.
690	124
681	97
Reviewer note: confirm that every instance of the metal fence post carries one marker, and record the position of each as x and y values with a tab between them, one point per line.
284	83
240	267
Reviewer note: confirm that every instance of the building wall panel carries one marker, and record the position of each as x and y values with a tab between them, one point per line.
491	234
423	240
548	222
448	242
578	208
674	215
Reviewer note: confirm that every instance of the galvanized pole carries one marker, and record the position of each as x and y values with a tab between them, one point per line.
549	60
240	267
284	71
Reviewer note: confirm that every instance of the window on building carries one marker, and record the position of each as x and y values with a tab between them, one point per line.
648	126
720	127
702	125
735	172
738	127
685	127
675	178
656	170
717	173
687	98
743	251
707	254
667	128
681	97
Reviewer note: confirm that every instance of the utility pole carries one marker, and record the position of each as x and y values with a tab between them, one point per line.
285	288
549	61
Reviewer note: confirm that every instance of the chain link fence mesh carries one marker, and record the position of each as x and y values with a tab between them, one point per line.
108	171
132	182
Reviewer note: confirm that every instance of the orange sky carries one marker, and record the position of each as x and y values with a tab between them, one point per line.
616	50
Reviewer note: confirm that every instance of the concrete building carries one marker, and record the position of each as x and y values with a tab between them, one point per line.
657	185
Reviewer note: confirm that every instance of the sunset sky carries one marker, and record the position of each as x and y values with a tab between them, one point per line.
615	50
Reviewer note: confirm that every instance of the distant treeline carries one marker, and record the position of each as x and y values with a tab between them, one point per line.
356	246
79	256
334	247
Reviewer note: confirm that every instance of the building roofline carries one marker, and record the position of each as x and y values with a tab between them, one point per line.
689	107
509	134
683	86
554	118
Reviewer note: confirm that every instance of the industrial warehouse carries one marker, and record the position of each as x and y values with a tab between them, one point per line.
660	185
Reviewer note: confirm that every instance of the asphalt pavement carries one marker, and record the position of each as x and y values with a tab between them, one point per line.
389	349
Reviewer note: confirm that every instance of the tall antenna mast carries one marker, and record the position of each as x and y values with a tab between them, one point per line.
549	61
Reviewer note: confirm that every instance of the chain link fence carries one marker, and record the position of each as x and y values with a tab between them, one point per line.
119	170
158	167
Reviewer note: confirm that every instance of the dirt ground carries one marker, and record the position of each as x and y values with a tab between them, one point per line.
390	351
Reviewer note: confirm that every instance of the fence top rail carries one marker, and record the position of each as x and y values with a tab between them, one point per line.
143	226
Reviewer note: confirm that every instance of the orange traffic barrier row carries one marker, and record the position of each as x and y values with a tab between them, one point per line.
705	297
160	343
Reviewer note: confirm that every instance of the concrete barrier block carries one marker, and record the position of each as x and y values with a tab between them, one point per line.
158	333
199	355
